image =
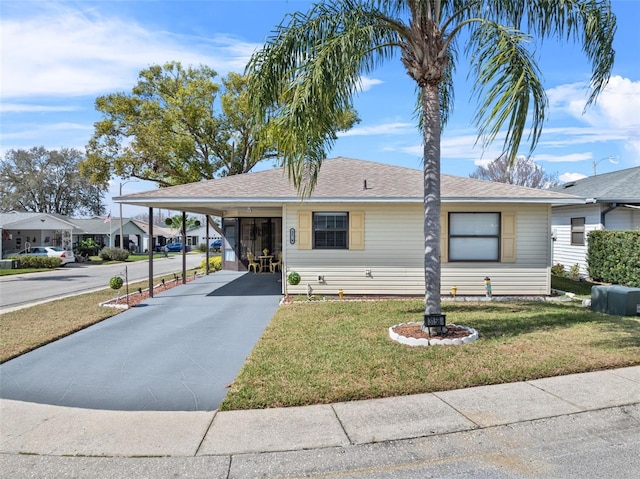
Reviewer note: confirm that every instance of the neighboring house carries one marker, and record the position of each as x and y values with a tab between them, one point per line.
612	202
198	236
361	231
161	235
21	230
106	232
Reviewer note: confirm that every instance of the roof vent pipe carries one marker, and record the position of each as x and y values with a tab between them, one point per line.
365	187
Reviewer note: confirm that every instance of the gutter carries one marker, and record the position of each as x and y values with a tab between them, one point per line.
603	213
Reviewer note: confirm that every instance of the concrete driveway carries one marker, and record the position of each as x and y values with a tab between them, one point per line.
177	351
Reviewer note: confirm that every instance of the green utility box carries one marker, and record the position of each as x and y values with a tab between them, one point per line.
616	300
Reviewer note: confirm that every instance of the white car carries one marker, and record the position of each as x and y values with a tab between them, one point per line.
50	251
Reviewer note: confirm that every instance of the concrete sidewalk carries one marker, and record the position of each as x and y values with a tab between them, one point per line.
29	428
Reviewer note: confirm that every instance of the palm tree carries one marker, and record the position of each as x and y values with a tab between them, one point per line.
310	69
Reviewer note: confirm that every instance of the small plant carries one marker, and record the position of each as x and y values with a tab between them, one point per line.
114	254
574	271
293	278
558	270
116	282
215	264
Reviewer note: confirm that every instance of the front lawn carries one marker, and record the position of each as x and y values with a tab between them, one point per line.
324	352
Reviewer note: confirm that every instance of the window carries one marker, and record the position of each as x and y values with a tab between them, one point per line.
577	231
330	230
474	236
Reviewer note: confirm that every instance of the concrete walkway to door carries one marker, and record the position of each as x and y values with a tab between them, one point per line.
177	351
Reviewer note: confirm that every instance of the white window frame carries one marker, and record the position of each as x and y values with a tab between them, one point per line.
318	230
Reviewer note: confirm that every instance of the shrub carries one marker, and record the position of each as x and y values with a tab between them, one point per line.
215	264
116	282
114	254
614	257
87	247
293	278
27	261
558	270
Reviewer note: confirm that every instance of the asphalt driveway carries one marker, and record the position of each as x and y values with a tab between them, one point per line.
177	351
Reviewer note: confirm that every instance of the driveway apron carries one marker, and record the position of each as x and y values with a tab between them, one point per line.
178	351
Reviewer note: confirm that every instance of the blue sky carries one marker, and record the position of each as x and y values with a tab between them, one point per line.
58	56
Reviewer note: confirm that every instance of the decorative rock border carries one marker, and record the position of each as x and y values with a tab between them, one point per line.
473	336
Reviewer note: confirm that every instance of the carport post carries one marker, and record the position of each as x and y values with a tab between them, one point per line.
151	246
206	254
184	247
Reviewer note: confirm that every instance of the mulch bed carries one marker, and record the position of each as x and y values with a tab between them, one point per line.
415	331
136	297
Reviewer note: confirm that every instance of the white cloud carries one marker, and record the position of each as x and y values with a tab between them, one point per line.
367	83
570	158
65	52
394	128
483	163
614	117
27	108
566	177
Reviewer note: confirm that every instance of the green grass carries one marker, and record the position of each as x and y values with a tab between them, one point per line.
324	352
568	285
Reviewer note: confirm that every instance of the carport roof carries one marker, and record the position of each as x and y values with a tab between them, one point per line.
340	180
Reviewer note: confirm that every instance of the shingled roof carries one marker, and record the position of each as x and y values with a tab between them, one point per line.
344	180
622	186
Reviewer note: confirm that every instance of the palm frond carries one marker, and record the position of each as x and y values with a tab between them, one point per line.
507	81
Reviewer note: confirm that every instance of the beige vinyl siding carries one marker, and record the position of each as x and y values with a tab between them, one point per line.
391	262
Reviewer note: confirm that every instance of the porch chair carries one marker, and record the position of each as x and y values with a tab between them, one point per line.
276	264
257	267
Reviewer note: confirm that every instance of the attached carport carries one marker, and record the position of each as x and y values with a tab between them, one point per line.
237	201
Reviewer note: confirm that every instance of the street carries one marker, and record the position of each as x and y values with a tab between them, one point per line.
22	290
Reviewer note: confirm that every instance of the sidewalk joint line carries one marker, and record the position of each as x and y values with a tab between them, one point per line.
335	413
215	413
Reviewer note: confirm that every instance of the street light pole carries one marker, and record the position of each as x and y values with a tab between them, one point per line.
595	163
121	228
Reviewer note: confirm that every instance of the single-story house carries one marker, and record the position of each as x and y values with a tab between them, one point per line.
20	230
611	201
361	231
106	232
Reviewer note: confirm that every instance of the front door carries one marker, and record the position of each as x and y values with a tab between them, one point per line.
261	235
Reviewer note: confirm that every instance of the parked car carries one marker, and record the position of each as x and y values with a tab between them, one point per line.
216	244
66	256
176	247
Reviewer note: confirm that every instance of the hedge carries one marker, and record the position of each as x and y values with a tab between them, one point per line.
114	254
614	257
26	261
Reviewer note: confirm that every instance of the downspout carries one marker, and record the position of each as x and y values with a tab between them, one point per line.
612	206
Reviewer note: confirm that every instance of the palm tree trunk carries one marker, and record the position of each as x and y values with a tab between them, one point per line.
431	133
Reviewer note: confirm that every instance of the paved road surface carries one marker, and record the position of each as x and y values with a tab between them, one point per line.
23	290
